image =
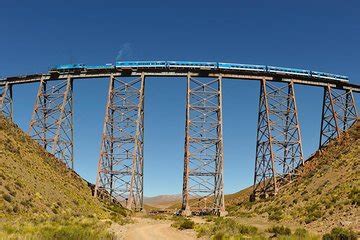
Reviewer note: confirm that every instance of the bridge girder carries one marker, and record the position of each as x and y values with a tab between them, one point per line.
51	124
203	186
278	148
339	114
121	162
6	101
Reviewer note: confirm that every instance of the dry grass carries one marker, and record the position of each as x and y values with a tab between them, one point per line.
35	186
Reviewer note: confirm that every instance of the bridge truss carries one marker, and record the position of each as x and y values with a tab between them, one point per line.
51	124
6	100
204	154
121	162
339	114
279	148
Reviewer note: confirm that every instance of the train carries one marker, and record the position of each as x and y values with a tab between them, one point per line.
188	65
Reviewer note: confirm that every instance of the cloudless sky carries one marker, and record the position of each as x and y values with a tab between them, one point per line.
316	35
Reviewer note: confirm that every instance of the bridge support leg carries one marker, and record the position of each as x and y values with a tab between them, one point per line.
338	114
203	186
52	119
278	147
121	162
6	101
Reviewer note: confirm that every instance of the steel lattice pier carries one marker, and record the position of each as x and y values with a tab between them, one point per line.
278	148
120	170
203	159
52	119
6	101
339	114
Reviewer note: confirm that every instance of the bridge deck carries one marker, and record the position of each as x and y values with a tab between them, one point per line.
228	74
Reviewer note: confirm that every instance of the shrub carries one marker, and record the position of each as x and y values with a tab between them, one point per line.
219	236
354	196
27	203
187	224
340	234
54	210
225	227
115	208
7	197
275	214
301	233
183	223
279	230
203	230
313	213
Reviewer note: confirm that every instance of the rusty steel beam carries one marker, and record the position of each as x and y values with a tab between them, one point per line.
339	114
6	101
51	124
203	186
121	162
278	147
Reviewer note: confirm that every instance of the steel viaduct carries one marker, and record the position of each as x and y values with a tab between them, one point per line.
120	167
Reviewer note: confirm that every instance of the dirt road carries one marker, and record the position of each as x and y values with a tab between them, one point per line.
149	229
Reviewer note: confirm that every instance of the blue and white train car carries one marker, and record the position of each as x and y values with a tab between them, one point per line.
245	67
294	71
329	76
140	64
191	65
68	67
97	67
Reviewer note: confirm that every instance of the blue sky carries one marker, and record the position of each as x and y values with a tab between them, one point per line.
317	35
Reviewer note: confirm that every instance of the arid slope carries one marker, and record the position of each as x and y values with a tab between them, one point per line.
326	195
34	183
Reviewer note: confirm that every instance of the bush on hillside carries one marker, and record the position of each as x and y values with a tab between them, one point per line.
279	230
275	213
7	197
183	223
340	234
301	233
313	213
354	196
225	227
187	224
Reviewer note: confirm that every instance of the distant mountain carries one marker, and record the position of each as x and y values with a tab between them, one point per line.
162	201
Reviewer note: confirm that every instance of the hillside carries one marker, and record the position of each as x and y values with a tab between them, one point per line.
35	186
326	195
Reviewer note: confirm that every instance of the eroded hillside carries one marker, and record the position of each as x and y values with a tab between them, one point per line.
40	198
32	181
325	196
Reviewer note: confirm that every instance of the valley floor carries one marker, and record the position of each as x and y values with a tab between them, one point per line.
150	229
